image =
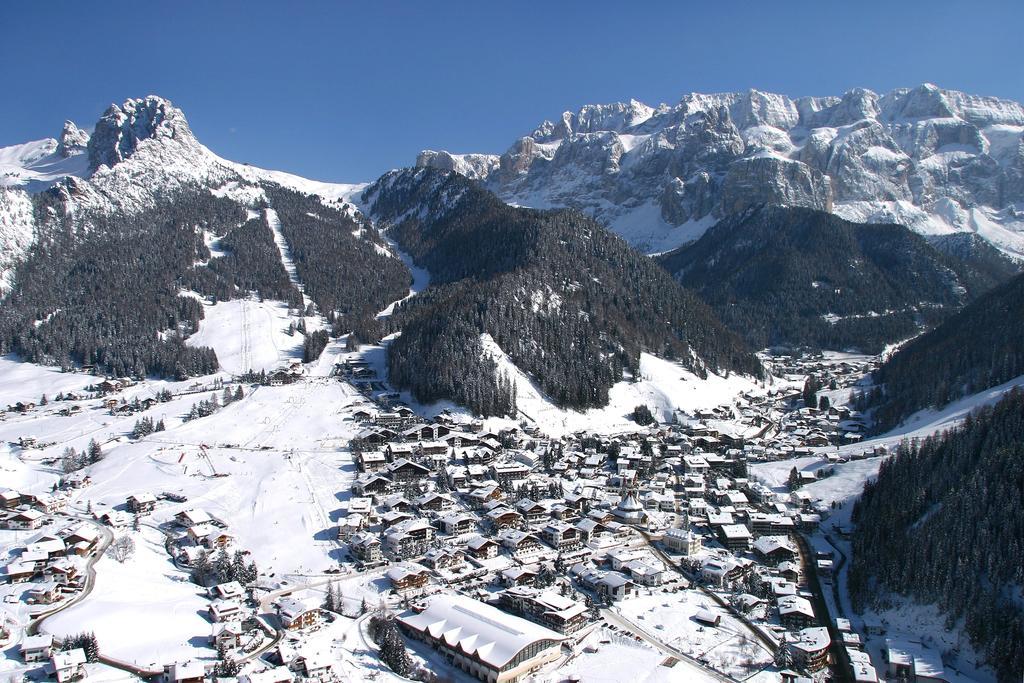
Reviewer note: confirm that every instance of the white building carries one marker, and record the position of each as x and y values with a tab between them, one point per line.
482	640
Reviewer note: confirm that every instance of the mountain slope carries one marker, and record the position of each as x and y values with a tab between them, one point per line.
567	301
111	265
938	161
791	276
944	523
977	348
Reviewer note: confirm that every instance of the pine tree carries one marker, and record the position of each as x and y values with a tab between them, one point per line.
95	451
201	568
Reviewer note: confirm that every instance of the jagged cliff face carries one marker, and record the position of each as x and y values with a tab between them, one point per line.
936	160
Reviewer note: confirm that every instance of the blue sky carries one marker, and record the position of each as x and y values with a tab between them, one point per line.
344	91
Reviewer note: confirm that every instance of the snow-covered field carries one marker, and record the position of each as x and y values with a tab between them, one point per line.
248	335
670	618
145	611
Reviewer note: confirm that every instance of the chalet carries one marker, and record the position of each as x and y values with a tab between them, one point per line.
397	451
509	473
141	503
63	570
482	548
408	539
562	536
372	461
68	665
431	501
457	523
725	572
790	571
375	437
185	672
491	645
371	485
366	547
533	512
44	593
774	550
390	519
809	648
363	415
280	377
297	614
83	533
547	608
770	523
519	576
520	544
460	440
227	634
406	578
315	666
224	610
478	456
215	539
392	419
19	572
795	612
404	471
457	476
645	572
231	590
350	525
482	495
450	559
610	585
36	648
24	520
9	499
503	518
735	537
49	546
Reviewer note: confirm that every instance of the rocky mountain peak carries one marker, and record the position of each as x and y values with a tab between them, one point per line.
73	140
121	129
936	160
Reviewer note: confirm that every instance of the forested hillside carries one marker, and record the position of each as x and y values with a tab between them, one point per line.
944	522
979	347
348	277
799	277
103	289
569	302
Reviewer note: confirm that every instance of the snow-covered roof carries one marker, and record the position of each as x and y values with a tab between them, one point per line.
814	639
478	629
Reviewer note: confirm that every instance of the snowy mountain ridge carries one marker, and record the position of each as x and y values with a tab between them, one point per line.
138	152
939	161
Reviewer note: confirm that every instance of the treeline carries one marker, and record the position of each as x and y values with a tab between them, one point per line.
786	276
978	348
944	523
349	278
570	303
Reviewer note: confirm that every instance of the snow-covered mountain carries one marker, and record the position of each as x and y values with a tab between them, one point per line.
138	152
938	161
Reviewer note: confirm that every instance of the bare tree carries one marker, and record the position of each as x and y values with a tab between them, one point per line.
122	548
